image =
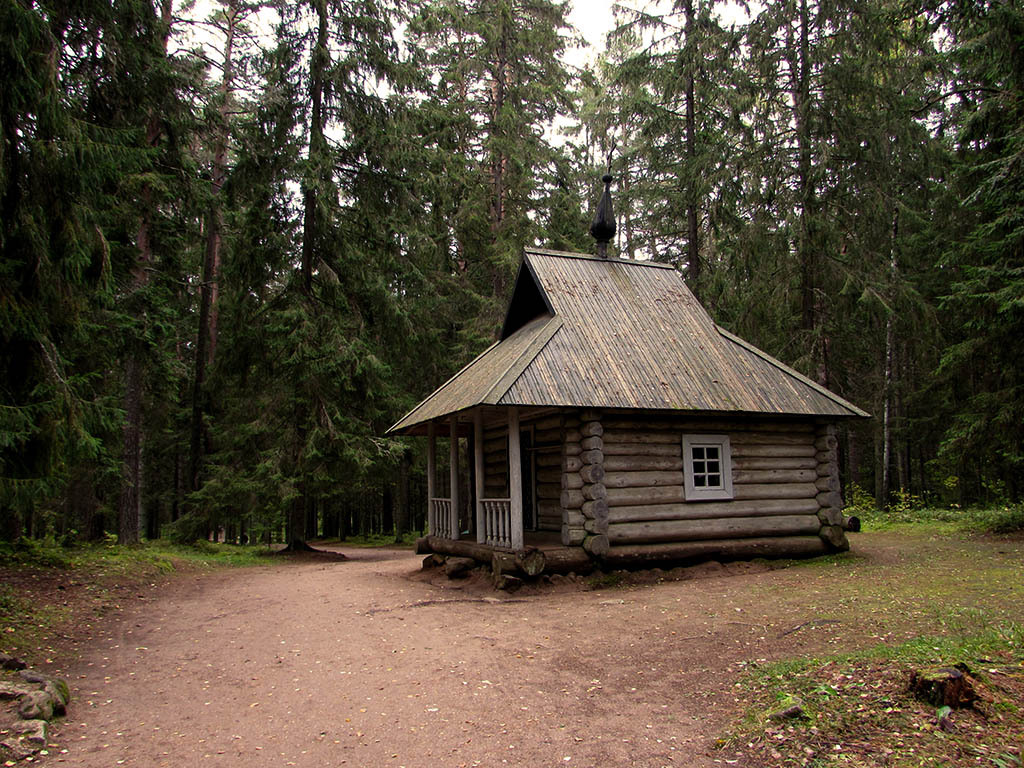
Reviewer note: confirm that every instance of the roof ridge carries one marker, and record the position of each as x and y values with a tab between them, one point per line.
591	257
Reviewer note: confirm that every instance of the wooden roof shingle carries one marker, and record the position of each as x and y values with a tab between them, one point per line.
623	335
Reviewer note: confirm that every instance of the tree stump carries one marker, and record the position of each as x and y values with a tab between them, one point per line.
943	687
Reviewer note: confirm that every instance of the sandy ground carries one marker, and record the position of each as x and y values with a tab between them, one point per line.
367	662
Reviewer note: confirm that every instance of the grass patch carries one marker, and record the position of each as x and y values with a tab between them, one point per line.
1000	519
857	710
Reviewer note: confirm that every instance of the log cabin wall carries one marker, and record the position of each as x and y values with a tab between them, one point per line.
547	460
785	487
496	462
545	453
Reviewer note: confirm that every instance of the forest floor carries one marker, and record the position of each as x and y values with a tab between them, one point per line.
368	661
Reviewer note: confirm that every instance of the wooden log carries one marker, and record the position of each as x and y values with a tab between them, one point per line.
642	463
460	548
547	423
459	567
548	437
640	436
825	457
592	429
729	549
851	523
572	464
550	508
825	468
568	560
590	415
699	426
830	499
570	419
549	475
717	528
835	537
596	544
592	457
571	449
496	444
826	443
772	451
596	526
785	462
775	491
503	562
592	473
430	562
574	518
592	443
623	497
830	516
531	561
773	438
643	449
549	490
828	483
571	499
774	476
712	509
571	481
594	491
596	509
422	546
546	460
572	436
642	479
572	536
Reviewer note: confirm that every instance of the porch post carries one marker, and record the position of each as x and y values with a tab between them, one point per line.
478	458
453	447
431	477
515	479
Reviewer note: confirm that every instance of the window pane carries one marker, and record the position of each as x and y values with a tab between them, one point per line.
699	467
698	452
714	480
699	481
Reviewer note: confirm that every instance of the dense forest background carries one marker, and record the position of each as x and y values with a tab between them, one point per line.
237	245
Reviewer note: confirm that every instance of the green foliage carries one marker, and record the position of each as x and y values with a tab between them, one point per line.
40	553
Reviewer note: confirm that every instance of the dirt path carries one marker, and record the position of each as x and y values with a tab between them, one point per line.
364	663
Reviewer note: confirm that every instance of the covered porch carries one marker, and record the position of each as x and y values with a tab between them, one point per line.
497	520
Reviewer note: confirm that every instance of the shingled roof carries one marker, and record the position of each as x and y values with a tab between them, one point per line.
617	334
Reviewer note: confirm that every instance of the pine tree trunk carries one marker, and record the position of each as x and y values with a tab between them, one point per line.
129	504
206	337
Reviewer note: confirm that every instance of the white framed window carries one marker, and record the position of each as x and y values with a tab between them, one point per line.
707	467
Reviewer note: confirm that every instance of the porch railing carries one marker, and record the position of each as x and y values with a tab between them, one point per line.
497	522
439	518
